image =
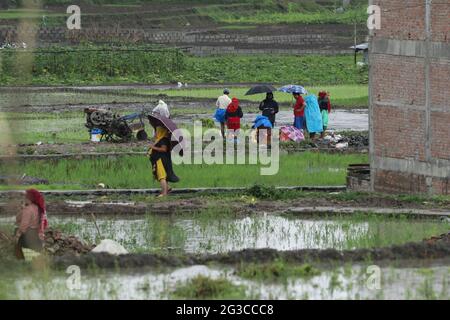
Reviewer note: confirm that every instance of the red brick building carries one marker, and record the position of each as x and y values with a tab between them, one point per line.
410	97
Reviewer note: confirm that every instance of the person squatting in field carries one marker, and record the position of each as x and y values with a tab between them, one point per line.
31	223
161	159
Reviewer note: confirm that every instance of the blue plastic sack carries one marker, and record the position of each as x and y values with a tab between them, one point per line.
262	121
220	115
313	115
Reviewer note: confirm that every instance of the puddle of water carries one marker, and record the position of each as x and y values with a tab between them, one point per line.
191	235
340	283
211	233
81	204
340	120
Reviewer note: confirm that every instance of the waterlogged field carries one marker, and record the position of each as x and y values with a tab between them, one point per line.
341	95
55	98
203	282
303	169
219	231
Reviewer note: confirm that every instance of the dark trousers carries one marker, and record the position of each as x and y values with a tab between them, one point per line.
29	240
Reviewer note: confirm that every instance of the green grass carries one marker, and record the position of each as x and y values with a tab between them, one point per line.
304	13
306	70
275	271
202	287
8	99
341	95
27	14
59	129
70	67
134	172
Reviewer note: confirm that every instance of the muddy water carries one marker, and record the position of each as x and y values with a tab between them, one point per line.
340	283
192	235
204	233
340	120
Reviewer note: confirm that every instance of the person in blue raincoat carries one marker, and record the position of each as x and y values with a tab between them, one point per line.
263	127
313	116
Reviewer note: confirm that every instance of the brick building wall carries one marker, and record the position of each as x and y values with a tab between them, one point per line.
410	97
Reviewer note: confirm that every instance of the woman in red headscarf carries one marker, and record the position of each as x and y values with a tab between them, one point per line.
233	117
31	223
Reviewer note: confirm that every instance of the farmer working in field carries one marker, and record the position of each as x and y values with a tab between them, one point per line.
31	223
161	159
222	103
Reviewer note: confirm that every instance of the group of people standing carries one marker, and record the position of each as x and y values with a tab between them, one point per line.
301	118
229	113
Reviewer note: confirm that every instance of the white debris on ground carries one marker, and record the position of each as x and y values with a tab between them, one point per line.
111	247
341	146
333	138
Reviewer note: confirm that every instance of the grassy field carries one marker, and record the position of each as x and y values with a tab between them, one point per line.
273	12
8	99
341	95
135	172
27	14
108	67
308	70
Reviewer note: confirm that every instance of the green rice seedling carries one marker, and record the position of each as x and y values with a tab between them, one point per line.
134	172
202	287
276	271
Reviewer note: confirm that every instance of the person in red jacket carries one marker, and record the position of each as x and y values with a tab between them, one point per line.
233	117
299	111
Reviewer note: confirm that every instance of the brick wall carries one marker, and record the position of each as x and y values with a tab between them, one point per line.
410	97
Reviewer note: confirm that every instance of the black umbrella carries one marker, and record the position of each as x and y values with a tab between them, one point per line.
262	88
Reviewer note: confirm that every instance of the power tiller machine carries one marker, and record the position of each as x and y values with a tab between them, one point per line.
114	127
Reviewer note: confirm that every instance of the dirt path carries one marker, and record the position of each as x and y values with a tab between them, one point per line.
409	251
66	205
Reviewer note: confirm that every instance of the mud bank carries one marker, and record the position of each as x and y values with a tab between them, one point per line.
97	202
409	251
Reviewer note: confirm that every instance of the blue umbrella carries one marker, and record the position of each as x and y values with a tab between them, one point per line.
291	88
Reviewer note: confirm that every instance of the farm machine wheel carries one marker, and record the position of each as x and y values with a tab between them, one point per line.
142	135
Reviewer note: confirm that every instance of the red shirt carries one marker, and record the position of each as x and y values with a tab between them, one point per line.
298	112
